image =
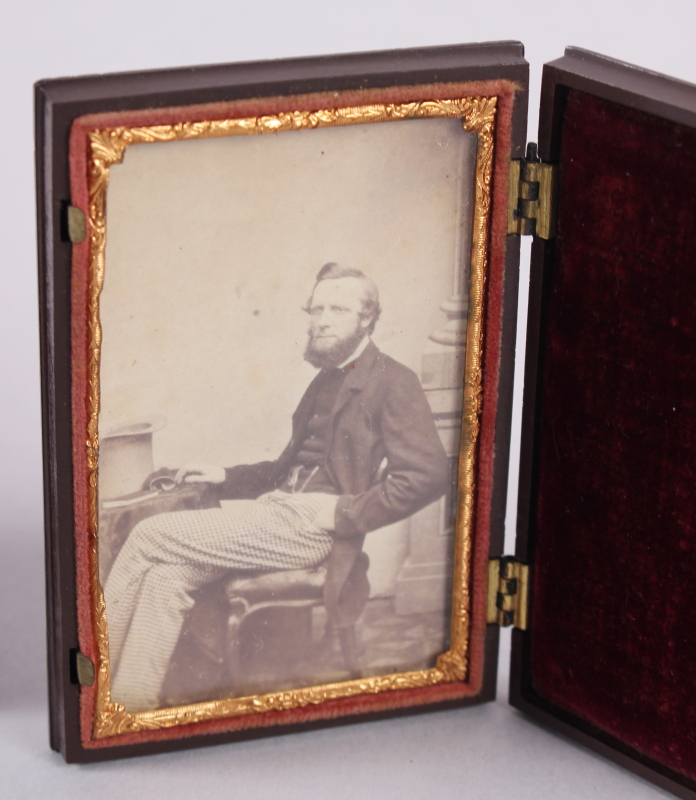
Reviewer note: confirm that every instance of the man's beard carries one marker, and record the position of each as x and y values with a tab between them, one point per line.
336	354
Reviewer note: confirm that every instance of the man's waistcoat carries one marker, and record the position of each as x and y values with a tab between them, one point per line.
380	413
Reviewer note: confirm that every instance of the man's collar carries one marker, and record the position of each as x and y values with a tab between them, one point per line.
359	372
356	353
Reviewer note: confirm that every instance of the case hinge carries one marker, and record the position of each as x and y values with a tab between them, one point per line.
508	592
532	196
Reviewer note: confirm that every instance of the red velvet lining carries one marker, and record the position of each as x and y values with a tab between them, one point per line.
505	91
614	620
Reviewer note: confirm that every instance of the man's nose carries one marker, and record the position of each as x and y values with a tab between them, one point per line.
323	321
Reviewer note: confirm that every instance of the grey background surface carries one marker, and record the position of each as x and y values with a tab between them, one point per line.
486	752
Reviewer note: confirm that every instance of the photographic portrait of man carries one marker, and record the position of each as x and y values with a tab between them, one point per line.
362	411
202	318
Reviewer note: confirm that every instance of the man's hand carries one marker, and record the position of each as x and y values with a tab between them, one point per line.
326	516
200	473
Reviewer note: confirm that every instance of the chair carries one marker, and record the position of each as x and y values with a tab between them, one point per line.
209	663
340	585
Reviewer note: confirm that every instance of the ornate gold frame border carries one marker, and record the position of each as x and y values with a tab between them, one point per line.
107	147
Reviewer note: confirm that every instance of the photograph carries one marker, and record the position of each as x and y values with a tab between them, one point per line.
283	344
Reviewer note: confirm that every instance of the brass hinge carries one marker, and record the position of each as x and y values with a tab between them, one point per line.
508	592
532	196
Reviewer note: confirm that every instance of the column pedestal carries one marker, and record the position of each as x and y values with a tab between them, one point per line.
424	583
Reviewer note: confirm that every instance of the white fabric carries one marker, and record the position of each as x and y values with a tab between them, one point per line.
169	555
356	353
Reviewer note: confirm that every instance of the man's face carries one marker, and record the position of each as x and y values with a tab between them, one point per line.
336	326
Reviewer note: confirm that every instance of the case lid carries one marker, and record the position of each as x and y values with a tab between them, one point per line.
606	514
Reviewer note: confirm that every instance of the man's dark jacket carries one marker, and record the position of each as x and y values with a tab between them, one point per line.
380	413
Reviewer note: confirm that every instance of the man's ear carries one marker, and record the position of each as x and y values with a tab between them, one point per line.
365	322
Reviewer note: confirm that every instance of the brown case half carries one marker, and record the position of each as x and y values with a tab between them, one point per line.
664	99
58	104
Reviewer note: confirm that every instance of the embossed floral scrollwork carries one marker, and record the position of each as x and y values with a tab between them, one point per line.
108	147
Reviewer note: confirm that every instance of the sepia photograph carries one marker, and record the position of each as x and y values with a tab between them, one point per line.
283	322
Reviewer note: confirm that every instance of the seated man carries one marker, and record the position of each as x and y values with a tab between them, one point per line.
362	409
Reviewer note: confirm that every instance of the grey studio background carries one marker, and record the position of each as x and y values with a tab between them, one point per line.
484	752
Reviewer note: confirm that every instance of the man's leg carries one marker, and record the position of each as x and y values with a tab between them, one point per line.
169	555
153	632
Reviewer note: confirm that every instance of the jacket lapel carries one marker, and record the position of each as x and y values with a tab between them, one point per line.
301	416
355	380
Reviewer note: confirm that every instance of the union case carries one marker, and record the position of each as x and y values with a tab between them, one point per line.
528	196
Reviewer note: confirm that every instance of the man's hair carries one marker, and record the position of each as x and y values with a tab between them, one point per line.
371	307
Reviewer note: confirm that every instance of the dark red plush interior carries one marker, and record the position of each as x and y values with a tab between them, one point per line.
614	613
